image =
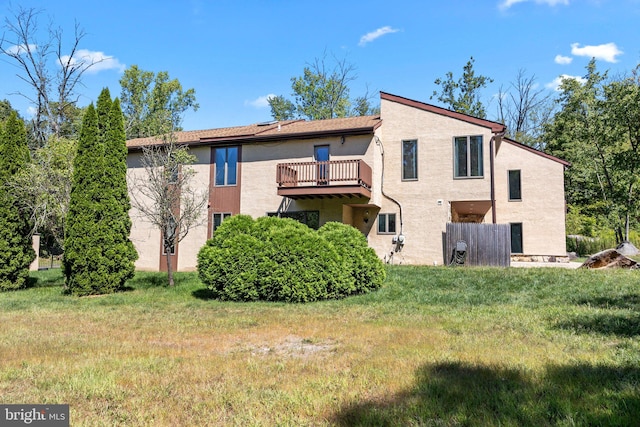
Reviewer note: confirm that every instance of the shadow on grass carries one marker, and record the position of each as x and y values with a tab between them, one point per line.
621	324
629	301
456	394
204	294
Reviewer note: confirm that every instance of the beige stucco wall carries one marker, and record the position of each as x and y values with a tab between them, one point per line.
542	208
425	202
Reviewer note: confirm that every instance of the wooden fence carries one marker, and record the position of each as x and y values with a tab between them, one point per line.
487	244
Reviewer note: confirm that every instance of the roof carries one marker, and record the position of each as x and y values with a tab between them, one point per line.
270	131
494	126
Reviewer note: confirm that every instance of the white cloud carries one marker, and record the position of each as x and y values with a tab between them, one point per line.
506	4
31	111
261	101
19	49
555	84
369	37
606	52
563	60
100	61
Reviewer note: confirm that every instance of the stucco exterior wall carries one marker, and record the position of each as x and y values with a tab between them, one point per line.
425	201
542	207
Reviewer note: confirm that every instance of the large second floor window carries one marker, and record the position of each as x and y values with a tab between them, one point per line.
467	157
410	160
226	164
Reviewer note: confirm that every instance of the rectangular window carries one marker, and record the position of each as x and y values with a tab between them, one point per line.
410	160
386	223
169	238
217	220
515	192
467	157
516	238
226	164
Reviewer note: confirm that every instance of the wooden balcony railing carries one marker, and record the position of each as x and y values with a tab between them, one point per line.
330	173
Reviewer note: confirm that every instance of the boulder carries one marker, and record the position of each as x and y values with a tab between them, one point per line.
609	258
627	249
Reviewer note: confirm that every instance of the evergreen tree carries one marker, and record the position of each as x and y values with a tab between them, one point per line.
98	253
16	252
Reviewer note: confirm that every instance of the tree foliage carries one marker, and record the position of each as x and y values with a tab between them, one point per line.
16	252
98	255
463	95
598	130
50	69
152	103
322	92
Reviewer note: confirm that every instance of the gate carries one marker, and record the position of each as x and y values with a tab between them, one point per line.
487	244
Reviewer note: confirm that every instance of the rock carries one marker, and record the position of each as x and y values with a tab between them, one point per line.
572	255
609	258
627	249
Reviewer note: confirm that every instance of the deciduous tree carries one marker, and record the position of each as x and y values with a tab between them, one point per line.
322	92
164	194
52	71
597	129
463	95
152	103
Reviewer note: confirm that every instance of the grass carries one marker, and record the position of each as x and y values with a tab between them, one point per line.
433	347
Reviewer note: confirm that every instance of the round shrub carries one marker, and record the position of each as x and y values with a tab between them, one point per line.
280	259
361	261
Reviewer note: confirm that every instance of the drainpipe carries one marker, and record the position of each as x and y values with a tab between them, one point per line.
379	144
497	136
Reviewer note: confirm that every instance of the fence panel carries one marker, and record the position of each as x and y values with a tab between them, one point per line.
487	244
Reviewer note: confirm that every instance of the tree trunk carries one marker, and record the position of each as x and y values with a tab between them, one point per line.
169	269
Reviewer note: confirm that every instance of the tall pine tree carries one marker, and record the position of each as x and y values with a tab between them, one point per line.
16	252
99	256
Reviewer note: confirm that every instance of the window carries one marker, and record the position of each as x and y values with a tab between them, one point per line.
217	220
169	238
410	160
226	162
516	238
386	223
515	192
467	157
310	218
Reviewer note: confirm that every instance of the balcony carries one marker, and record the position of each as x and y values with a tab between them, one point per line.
335	178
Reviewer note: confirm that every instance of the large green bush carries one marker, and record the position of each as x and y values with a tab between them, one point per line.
280	259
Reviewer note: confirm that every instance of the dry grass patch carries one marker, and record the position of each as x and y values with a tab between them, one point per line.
433	347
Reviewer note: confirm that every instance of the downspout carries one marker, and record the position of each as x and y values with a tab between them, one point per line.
492	154
379	144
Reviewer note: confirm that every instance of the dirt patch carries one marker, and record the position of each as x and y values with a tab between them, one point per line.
293	346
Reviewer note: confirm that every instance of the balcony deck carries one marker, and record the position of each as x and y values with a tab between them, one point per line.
334	178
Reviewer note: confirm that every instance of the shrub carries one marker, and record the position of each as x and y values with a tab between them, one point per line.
280	259
361	261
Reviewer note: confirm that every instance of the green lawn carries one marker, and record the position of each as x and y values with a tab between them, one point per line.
434	347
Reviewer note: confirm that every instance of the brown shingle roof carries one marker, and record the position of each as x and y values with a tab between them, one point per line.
276	130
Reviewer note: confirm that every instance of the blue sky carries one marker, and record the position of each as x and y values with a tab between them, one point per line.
236	53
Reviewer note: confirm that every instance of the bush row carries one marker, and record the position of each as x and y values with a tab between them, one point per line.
280	259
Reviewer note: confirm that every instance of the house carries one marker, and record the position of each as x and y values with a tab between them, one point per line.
399	178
